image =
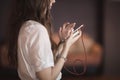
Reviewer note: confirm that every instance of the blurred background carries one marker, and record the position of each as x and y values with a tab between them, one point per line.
100	35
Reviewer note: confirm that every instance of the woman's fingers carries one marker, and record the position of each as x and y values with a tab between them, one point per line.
78	35
71	25
74	36
65	25
64	31
69	28
60	30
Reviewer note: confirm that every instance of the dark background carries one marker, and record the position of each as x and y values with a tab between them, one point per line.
100	17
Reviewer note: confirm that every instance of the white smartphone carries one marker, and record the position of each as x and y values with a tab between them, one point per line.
78	28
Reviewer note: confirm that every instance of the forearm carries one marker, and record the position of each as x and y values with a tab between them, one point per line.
59	63
51	73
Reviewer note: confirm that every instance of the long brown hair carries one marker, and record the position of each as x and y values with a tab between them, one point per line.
27	10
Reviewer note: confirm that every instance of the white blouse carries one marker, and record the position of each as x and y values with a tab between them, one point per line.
34	50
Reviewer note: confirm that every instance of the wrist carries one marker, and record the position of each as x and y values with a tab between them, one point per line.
61	38
62	57
60	42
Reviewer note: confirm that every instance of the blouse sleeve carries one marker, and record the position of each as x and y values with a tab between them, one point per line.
40	52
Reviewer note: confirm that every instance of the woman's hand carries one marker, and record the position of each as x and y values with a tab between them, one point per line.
74	36
64	31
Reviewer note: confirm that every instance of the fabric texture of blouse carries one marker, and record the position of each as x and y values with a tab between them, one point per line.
34	50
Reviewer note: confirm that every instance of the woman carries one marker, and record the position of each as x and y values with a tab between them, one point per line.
31	46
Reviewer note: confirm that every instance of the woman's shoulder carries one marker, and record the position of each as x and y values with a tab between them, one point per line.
35	24
32	25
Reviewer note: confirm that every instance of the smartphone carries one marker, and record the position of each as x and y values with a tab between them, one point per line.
78	28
